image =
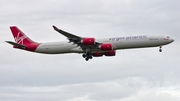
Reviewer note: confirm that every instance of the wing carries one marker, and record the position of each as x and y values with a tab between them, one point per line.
77	40
71	37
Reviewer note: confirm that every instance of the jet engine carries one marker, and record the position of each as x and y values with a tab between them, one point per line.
88	41
110	53
106	47
97	54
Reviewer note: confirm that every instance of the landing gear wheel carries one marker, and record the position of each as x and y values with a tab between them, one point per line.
84	55
86	59
90	57
87	56
160	50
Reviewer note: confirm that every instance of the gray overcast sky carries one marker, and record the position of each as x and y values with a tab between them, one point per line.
135	74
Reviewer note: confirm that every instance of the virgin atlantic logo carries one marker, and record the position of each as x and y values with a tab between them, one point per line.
19	39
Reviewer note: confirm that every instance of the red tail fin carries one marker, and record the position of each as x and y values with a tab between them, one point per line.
22	39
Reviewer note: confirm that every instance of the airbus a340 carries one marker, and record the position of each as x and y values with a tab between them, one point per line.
89	47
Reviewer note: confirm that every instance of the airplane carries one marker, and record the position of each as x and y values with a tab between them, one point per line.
89	47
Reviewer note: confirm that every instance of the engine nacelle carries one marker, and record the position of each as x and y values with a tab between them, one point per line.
110	53
97	54
106	47
88	41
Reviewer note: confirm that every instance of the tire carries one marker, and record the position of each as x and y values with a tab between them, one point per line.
90	57
86	59
84	55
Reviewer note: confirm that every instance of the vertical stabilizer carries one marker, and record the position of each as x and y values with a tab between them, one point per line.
21	39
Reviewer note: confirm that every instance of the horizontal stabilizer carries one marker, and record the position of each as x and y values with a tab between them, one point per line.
16	44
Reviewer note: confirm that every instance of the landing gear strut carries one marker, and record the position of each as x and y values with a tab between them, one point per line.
160	49
87	56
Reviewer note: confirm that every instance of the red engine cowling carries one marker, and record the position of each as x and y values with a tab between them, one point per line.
106	47
110	53
88	41
97	54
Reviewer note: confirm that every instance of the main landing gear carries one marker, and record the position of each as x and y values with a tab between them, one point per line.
87	56
160	49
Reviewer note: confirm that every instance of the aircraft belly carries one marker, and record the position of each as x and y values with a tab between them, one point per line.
139	44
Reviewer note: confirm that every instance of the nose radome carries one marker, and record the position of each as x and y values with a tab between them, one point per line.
172	40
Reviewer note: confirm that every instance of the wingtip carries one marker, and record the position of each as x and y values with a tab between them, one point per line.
7	41
55	28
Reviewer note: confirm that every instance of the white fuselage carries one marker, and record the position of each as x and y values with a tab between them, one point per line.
117	42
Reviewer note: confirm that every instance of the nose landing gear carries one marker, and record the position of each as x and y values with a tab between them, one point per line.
160	49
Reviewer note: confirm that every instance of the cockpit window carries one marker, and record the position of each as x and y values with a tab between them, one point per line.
168	37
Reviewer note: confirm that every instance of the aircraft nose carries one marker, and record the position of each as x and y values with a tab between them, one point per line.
171	40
